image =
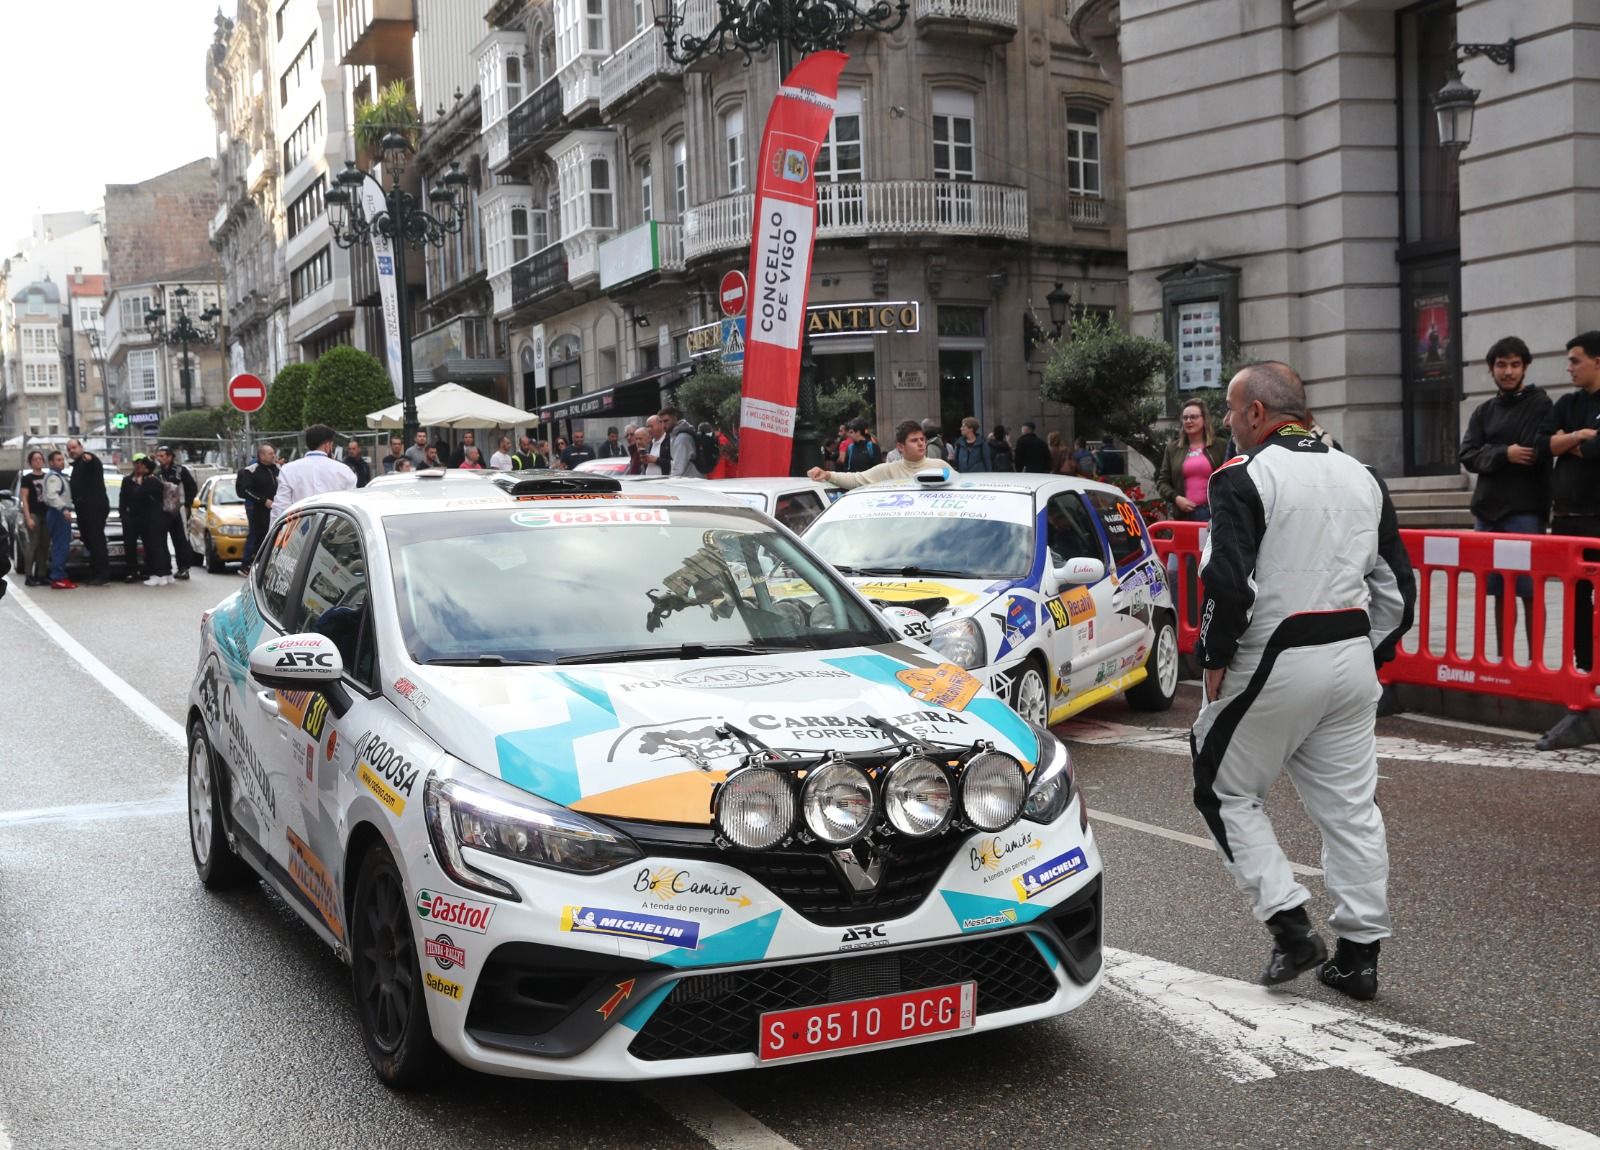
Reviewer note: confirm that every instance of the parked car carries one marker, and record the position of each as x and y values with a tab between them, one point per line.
77	556
570	817
1045	586
217	527
795	503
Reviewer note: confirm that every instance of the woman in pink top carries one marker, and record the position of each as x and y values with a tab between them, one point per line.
1186	468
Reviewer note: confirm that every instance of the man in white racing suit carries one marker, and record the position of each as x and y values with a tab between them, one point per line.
1307	591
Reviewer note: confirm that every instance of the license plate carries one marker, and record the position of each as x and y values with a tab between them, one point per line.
866	1021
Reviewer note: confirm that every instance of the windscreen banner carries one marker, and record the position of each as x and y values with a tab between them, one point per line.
784	223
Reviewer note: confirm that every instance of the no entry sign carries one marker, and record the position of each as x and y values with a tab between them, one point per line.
246	392
732	293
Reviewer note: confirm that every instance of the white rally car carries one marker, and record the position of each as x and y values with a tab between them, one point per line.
1045	586
573	818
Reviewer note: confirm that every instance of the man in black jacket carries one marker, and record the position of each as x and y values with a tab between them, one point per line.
1031	453
1504	449
91	507
169	470
256	484
1573	426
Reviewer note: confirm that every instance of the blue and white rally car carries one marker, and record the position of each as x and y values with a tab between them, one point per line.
571	817
1045	586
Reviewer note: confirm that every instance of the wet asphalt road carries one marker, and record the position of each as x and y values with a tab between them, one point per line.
139	1010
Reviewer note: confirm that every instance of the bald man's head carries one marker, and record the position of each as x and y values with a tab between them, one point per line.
1262	396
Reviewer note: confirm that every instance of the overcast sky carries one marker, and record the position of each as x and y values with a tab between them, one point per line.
97	92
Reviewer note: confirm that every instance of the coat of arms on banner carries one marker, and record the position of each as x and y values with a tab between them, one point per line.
791	164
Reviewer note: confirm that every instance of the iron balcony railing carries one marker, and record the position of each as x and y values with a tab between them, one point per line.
634	65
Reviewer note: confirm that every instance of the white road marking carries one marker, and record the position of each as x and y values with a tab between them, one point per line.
1248	1033
1097	815
1461	724
712	1116
1175	741
158	807
157	719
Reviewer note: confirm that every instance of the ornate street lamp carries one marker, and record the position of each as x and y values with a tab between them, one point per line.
403	222
1453	104
1059	300
751	26
182	332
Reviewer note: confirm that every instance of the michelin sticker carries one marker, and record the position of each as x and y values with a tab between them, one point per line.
1032	883
630	924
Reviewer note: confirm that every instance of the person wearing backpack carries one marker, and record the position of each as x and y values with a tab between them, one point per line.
175	503
683	446
1000	450
972	453
56	494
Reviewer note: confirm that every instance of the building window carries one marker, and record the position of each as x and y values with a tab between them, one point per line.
307	207
519	235
88	317
600	194
513	80
38	340
954	111
580	27
142	390
840	155
311	276
281	8
680	175
595	25
134	309
647	201
642	17
300	142
733	137
1083	151
300	72
41	376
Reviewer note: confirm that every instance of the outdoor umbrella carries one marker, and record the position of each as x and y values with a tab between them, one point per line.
451	405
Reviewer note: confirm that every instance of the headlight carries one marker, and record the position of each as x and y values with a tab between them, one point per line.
1052	786
233	529
917	796
961	642
527	829
993	789
838	803
755	808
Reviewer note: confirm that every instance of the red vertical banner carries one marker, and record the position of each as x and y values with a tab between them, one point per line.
784	224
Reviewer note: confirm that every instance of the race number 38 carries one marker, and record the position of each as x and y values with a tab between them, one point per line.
866	1022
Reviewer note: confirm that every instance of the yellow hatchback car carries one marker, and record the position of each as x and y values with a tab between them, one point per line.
217	526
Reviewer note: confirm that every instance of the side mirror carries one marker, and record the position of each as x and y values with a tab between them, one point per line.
908	622
297	663
1081	570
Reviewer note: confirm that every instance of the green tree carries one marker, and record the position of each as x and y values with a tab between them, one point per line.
196	424
704	396
840	404
346	385
1113	379
393	111
286	400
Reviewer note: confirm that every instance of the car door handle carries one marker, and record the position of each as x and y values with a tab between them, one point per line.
268	701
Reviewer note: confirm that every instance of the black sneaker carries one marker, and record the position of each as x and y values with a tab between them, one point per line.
1353	969
183	574
1296	948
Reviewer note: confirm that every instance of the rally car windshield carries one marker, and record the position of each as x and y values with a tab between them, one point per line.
601	582
956	534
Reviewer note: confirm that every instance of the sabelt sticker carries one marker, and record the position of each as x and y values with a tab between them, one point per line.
442	985
595	517
630	924
1032	883
946	685
451	910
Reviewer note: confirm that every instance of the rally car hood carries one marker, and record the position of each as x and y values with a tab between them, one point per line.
639	740
941	600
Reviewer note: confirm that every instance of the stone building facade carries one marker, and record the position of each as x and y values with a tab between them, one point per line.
1288	197
972	167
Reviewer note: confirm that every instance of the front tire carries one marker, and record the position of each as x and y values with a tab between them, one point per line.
216	863
1160	685
1030	694
214	562
390	999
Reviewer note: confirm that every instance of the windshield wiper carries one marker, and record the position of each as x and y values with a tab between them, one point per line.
681	651
483	661
945	572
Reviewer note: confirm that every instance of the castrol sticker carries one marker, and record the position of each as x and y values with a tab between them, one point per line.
452	910
594	517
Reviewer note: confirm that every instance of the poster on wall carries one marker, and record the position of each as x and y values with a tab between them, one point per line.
1200	345
1431	335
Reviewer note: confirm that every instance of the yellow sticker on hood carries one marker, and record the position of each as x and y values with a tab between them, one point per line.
902	590
946	685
